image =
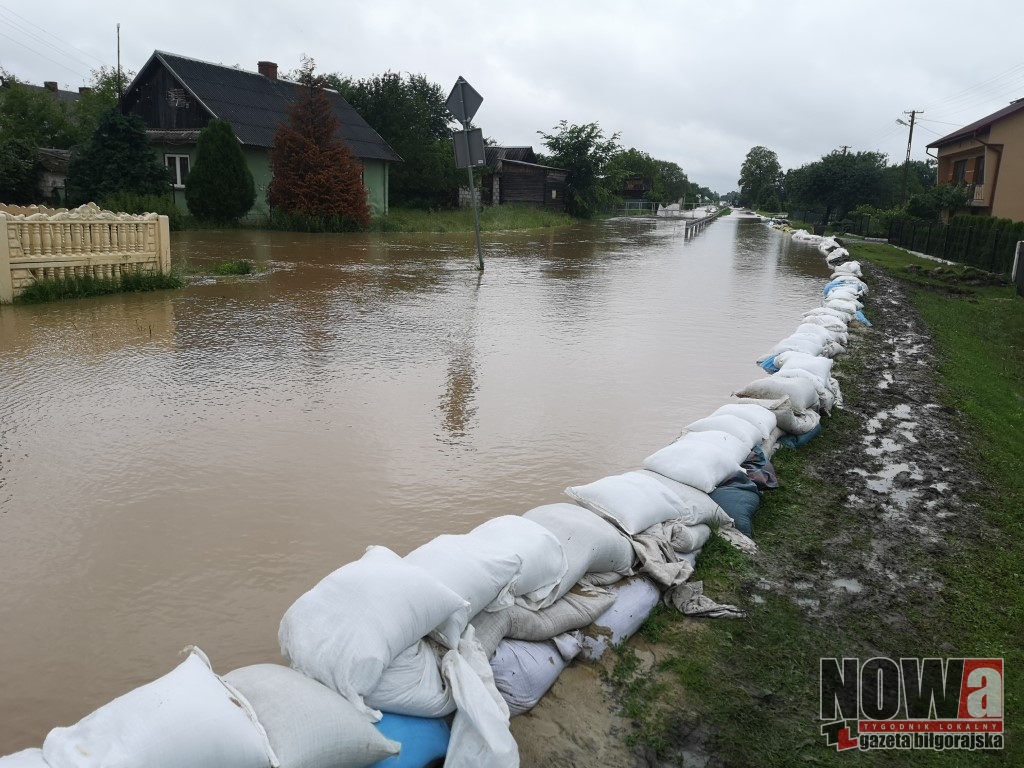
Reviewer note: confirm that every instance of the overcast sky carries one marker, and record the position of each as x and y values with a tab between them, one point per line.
696	83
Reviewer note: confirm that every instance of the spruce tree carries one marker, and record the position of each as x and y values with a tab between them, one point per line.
315	173
117	158
220	187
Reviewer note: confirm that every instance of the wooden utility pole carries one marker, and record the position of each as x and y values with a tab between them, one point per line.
906	163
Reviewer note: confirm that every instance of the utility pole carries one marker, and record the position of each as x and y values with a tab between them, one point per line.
906	163
845	147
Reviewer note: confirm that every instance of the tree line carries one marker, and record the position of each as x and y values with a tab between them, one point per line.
315	176
843	184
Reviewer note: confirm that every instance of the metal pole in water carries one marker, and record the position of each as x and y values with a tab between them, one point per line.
476	217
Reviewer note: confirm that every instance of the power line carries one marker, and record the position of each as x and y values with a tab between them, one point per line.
51	35
52	61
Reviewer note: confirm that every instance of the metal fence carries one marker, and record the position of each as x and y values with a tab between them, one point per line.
991	248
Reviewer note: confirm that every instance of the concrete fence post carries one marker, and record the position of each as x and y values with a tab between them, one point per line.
164	245
6	283
1017	275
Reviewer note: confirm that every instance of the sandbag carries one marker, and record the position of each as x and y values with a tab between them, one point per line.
802	394
734	425
635	598
309	725
848	268
544	562
760	470
524	671
825	398
574	610
27	758
846	317
760	416
700	459
187	717
799	441
631	501
490	628
412	685
837	255
795	343
830	333
849	306
740	498
349	628
819	366
424	740
829	322
700	508
589	541
480	574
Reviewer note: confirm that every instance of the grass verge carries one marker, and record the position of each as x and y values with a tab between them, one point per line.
492	218
81	287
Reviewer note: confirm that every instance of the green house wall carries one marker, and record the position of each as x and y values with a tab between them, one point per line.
375	178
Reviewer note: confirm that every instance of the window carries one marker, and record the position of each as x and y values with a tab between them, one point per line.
178	166
959	172
979	169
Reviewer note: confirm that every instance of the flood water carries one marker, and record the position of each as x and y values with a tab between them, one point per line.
178	467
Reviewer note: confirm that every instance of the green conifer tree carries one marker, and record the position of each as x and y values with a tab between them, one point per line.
220	187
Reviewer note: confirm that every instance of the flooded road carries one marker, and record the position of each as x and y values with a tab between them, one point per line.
177	468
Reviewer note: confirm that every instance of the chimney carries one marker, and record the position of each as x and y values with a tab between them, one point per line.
268	69
84	89
50	85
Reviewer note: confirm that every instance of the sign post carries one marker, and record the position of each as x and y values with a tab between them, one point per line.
463	102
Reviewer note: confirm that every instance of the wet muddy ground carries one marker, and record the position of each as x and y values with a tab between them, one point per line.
903	483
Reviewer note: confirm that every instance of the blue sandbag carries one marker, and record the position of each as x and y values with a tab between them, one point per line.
740	498
424	740
860	318
769	364
799	441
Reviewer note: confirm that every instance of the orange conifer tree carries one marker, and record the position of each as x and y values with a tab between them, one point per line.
315	173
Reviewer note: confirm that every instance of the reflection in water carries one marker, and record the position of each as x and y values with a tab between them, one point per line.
178	467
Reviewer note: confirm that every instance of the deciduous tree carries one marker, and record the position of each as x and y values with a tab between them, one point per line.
760	177
583	151
315	173
220	187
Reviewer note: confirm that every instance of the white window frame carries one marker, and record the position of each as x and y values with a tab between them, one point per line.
175	168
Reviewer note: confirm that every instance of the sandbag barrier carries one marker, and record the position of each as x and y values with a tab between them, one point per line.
411	661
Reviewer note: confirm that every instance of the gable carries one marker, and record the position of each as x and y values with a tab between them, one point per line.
174	92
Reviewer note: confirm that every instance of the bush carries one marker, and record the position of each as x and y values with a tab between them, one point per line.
220	188
81	287
126	202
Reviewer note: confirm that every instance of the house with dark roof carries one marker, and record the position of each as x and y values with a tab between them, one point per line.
987	157
516	177
177	96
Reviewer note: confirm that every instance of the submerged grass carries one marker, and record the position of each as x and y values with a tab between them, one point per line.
492	218
753	683
81	287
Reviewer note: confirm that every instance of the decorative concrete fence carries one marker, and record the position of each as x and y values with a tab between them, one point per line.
39	243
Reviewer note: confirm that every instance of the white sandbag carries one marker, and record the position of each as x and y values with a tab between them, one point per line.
690	538
308	724
788	419
819	366
827	245
479	573
696	461
349	628
574	610
27	758
544	562
800	423
187	717
524	671
630	501
825	333
839	254
412	685
825	398
846	317
700	508
491	627
589	541
844	293
851	281
635	598
848	268
816	331
480	733
810	345
829	322
754	413
802	394
849	306
738	427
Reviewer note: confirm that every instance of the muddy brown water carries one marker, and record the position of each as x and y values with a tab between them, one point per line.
178	467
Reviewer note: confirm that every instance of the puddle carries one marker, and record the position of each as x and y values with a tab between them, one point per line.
850	585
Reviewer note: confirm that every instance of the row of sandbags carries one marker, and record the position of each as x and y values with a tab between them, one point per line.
403	661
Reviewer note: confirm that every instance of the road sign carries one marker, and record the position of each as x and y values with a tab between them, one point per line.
463	101
469	148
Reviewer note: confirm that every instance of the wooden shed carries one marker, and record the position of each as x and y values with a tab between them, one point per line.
517	177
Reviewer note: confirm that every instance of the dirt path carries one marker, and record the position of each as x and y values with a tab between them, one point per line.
900	480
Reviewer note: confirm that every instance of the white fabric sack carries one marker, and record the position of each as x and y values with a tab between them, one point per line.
839	254
787	418
848	268
589	541
544	562
846	317
631	501
308	724
802	394
412	685
733	424
187	717
480	733
690	538
697	462
825	333
479	573
844	293
524	671
829	322
799	423
754	413
27	758
491	627
827	245
815	331
796	343
635	598
825	397
849	306
819	366
700	508
349	628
